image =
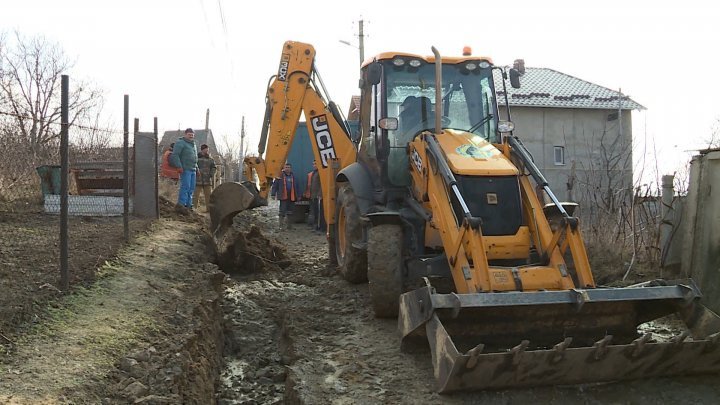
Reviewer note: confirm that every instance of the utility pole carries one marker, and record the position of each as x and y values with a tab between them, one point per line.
242	149
361	39
207	120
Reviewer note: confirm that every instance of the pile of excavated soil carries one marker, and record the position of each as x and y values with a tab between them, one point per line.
249	252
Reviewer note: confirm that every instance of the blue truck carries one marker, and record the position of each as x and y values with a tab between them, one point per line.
301	158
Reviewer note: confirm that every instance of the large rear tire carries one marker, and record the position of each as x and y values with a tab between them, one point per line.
351	259
385	269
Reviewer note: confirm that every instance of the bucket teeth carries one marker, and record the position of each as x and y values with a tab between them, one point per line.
601	346
680	338
518	350
456	306
639	344
712	342
474	353
560	350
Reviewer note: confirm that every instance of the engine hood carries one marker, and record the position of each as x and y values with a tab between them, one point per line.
469	154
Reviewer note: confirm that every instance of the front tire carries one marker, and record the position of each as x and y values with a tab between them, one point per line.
385	269
351	259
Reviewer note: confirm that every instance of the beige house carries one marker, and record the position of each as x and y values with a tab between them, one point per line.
579	133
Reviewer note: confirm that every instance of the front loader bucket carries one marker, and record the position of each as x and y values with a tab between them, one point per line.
499	340
227	200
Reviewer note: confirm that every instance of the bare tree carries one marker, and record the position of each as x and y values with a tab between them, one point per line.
30	91
714	140
605	176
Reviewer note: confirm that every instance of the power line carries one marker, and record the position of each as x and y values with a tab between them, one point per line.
224	25
207	25
27	117
226	38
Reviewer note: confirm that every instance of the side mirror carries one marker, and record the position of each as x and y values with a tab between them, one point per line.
389	123
514	78
374	72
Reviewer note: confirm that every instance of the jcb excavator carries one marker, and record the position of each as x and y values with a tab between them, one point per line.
435	203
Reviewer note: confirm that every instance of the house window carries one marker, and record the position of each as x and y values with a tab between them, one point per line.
559	155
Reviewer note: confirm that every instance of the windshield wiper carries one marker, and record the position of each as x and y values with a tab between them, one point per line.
481	123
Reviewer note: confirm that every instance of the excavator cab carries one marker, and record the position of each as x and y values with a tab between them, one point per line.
407	95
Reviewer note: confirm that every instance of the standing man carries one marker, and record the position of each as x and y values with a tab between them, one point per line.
284	189
185	156
206	176
314	194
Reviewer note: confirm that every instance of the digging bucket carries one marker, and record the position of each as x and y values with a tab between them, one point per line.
228	199
514	339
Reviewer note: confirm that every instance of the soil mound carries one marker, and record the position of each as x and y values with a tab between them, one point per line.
250	252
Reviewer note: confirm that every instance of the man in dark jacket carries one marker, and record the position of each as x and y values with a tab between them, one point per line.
205	177
184	156
285	189
313	192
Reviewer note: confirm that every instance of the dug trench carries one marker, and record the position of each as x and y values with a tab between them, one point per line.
256	317
296	332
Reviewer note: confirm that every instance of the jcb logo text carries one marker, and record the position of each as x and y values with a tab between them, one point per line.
323	139
283	70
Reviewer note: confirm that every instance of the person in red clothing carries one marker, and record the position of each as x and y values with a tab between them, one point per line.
166	170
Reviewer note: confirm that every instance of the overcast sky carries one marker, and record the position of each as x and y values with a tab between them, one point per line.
176	58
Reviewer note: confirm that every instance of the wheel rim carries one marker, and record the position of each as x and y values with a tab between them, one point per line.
340	237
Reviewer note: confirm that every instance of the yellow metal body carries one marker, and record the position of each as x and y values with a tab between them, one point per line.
536	297
290	95
468	251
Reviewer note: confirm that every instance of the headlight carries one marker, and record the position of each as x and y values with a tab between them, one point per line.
415	63
506	126
471	66
484	64
398	62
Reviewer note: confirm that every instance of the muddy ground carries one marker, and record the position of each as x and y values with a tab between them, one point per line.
161	324
30	257
147	329
308	324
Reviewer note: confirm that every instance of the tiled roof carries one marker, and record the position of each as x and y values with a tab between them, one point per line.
354	110
542	87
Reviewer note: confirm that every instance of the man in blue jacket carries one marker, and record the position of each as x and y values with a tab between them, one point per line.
185	157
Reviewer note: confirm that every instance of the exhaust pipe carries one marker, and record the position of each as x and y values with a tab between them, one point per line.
438	90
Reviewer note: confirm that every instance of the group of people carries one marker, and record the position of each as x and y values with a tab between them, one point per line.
285	189
195	172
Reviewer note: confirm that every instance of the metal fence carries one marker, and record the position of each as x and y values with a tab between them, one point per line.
68	205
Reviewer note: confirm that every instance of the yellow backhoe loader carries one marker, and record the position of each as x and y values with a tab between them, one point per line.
434	203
